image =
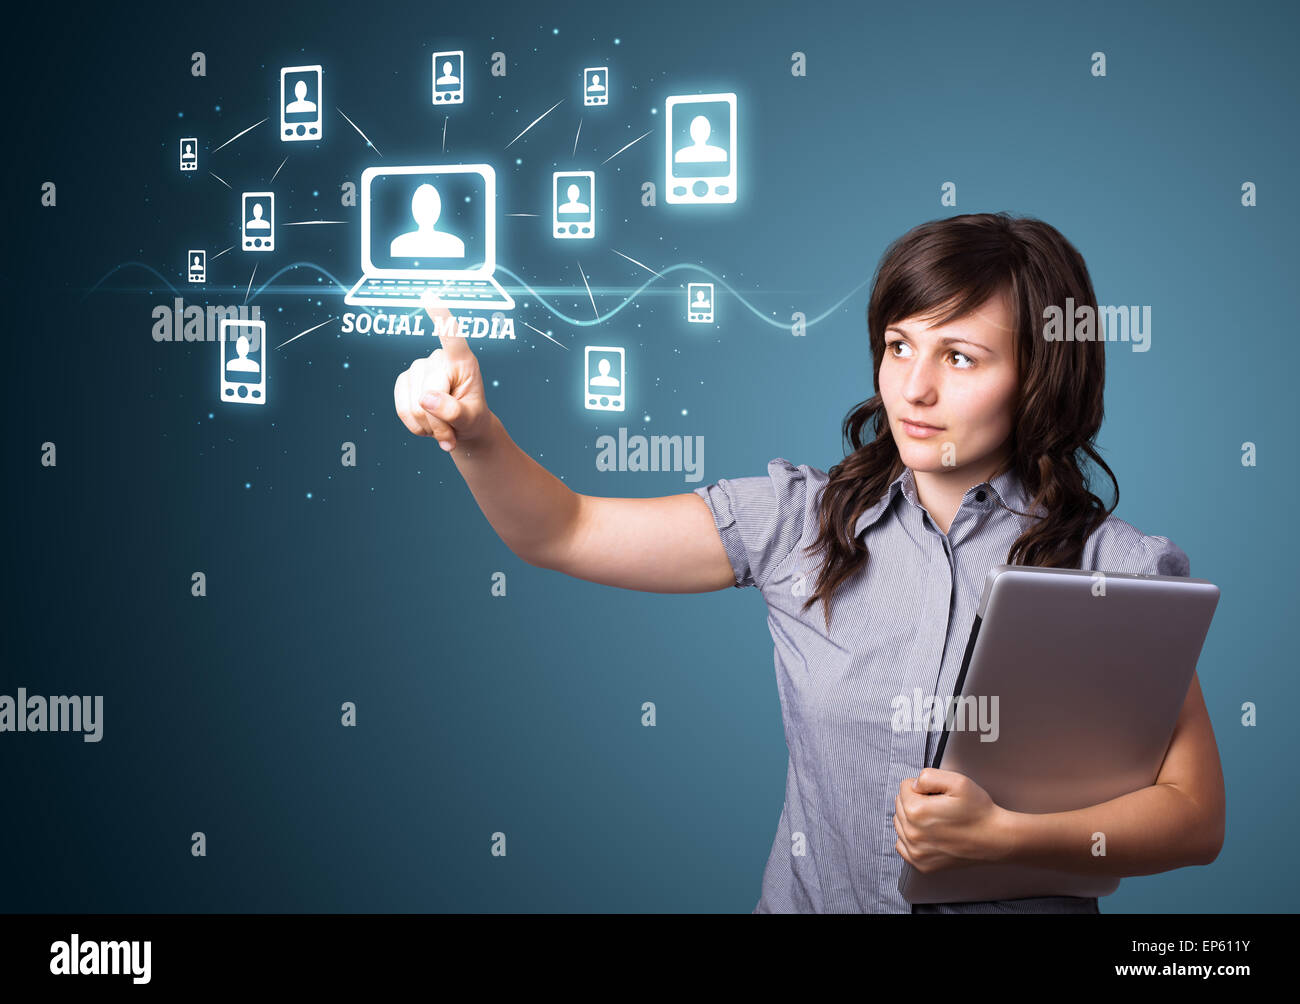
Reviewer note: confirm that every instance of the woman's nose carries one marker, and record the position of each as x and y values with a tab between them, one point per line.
920	380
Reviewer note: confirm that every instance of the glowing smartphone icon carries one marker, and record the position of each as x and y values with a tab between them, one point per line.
605	378
595	85
700	152
300	103
449	77
259	221
699	302
243	361
573	204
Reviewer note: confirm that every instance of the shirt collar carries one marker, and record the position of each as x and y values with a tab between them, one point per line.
1006	488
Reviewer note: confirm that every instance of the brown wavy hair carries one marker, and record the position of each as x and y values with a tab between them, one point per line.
945	269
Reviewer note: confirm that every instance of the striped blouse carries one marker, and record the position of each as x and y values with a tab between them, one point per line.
900	624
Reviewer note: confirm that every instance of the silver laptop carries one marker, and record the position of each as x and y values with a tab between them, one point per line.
425	228
1090	671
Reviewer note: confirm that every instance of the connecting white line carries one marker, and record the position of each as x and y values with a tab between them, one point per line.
358	129
277	170
545	335
444	132
307	332
521	214
575	138
635	262
588	285
616	153
220	253
238	134
311	223
222	180
538	119
250	282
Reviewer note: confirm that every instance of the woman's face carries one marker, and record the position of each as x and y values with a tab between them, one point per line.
960	377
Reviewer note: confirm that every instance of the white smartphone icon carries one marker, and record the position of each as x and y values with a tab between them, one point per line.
700	150
449	77
573	204
699	302
595	85
301	104
243	361
605	378
258	221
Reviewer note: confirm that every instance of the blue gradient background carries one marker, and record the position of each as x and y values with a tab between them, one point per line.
521	714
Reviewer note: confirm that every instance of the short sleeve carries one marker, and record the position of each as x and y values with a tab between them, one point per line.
759	519
1159	556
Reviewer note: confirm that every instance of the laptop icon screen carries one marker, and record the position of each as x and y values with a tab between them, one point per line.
419	221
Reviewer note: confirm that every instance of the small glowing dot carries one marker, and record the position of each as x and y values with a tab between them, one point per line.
467	198
345	366
218	108
309	494
317	194
654	111
555	31
683	411
180	115
617	41
210	415
248	484
519	160
496	383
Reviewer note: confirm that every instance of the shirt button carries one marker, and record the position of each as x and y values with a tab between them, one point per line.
979	496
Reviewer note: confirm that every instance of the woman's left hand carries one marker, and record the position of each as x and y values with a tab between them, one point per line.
944	820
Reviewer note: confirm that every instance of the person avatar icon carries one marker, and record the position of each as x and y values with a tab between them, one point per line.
301	104
427	241
243	364
189	151
595	87
257	223
604	379
448	78
573	205
700	303
700	152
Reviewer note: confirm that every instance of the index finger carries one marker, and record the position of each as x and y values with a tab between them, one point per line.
454	346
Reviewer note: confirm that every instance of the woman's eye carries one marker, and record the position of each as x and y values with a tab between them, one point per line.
969	362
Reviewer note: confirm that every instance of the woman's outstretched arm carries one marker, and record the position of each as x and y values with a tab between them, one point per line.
663	545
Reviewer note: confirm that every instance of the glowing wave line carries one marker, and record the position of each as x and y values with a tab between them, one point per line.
260	289
556	312
128	264
577	322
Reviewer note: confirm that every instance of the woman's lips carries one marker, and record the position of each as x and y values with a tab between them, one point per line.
919	431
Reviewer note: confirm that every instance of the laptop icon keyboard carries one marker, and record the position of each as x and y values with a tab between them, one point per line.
409	291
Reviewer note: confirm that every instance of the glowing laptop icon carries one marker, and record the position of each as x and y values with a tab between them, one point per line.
429	228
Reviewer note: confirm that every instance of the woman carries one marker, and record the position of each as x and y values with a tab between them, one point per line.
872	572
